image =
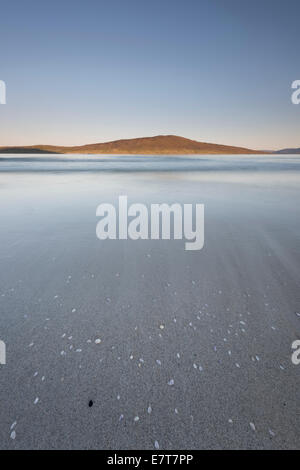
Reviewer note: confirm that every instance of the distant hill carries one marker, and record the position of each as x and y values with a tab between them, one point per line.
158	145
34	149
288	151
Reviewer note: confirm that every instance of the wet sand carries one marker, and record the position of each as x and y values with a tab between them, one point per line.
176	349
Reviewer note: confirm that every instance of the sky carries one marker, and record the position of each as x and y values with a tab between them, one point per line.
88	71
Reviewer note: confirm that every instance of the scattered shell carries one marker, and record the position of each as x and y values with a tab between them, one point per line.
252	426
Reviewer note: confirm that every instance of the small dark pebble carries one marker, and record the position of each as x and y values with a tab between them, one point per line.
91	403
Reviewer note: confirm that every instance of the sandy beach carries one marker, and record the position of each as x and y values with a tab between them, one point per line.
140	344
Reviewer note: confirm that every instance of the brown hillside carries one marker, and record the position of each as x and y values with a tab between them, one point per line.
158	145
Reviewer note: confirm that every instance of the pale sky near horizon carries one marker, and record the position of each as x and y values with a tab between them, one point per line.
81	72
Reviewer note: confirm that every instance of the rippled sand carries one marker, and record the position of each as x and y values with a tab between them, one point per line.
141	344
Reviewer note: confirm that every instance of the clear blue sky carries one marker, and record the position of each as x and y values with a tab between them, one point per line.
90	71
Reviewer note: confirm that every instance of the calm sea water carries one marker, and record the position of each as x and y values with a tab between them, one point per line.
232	163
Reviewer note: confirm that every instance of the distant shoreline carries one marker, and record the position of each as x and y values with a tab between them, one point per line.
157	145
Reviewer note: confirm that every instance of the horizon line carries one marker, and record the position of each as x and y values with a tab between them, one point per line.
141	137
